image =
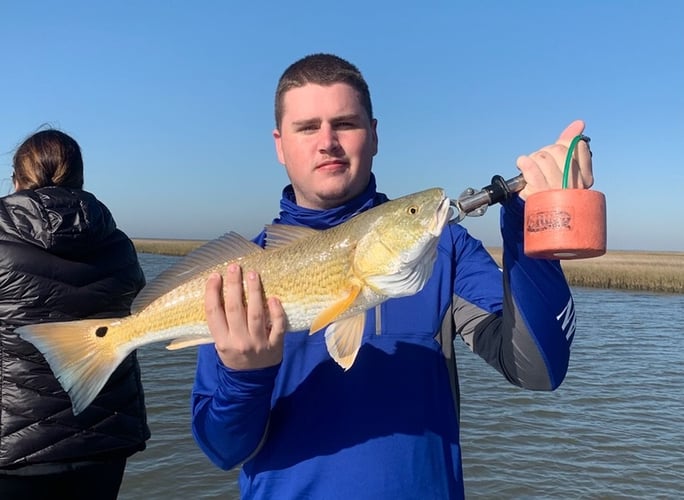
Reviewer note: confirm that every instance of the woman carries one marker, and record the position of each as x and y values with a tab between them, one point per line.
62	258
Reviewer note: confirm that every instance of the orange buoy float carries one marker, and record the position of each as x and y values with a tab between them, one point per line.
565	223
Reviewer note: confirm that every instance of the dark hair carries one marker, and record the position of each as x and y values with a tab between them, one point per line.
321	69
48	158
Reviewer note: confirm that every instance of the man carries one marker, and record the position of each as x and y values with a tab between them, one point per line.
388	427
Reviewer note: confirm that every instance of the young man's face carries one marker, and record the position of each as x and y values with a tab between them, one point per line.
327	143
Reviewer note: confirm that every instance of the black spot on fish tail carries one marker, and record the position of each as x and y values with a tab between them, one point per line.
101	331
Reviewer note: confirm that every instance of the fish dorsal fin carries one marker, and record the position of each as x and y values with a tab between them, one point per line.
280	235
329	315
222	250
343	339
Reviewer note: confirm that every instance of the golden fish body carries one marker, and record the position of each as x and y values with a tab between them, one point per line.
324	279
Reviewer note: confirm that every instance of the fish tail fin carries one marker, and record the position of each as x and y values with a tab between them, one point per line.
80	354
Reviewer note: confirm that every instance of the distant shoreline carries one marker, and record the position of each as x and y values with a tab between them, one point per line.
618	269
166	246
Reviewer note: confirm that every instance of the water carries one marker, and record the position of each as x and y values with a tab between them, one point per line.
614	429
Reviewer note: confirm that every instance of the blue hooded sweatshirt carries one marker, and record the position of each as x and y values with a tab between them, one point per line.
387	427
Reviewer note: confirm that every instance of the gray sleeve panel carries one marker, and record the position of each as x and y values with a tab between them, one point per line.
445	337
503	341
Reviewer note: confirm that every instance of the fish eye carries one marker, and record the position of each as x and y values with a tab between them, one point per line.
412	210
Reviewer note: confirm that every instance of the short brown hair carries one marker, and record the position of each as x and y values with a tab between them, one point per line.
321	69
48	158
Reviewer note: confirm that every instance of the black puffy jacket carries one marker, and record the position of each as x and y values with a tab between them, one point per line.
62	258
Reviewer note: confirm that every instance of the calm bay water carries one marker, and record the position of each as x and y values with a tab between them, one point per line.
614	429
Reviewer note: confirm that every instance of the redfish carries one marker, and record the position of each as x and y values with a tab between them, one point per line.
325	279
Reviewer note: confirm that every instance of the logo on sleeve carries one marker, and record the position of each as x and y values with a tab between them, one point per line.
567	316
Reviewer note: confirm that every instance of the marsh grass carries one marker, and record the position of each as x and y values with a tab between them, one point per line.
626	270
651	271
166	247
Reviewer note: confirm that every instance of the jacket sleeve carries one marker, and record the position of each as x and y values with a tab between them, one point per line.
230	409
527	336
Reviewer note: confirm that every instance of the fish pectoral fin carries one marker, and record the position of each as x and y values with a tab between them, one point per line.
183	342
334	311
343	339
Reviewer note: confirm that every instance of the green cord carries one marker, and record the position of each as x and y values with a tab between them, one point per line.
568	158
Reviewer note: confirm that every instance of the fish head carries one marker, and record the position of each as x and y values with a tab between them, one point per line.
396	255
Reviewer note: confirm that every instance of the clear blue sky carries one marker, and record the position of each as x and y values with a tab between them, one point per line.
172	101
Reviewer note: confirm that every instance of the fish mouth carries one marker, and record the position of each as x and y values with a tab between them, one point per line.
443	213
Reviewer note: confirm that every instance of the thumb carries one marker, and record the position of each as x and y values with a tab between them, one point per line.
570	132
